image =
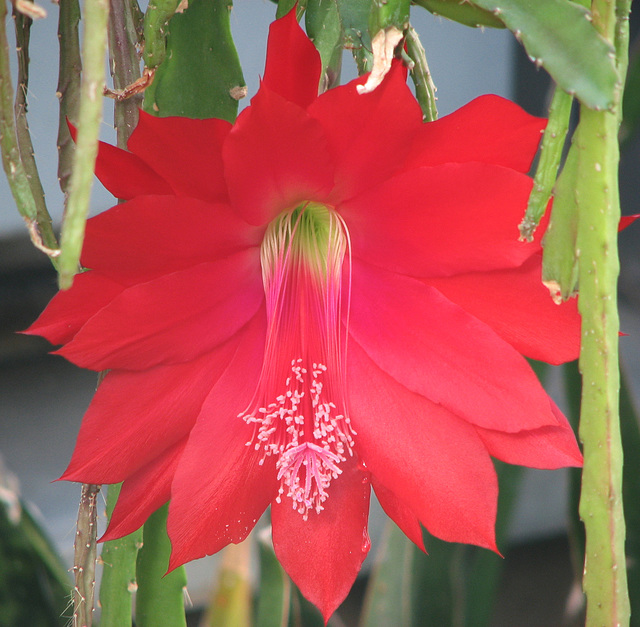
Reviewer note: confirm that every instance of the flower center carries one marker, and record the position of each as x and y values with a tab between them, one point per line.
299	407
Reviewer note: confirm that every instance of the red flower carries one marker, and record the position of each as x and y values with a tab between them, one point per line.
325	296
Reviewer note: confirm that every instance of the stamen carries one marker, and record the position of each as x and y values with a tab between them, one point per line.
299	408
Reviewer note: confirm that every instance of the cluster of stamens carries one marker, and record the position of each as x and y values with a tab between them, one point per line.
299	406
307	434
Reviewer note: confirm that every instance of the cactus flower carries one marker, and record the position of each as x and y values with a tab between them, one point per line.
325	297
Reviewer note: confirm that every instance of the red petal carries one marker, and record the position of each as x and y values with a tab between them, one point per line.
548	447
187	153
275	157
443	220
172	319
124	174
400	513
220	489
69	310
435	348
423	454
324	553
489	129
152	235
626	221
143	493
293	65
518	307
370	133
134	416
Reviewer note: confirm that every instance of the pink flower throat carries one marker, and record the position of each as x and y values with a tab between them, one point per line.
299	407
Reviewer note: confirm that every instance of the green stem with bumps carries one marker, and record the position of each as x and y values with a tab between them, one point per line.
12	161
156	19
84	559
23	35
553	142
89	119
124	64
118	572
421	76
68	90
160	597
601	508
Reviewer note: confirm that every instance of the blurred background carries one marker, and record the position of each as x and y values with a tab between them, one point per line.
43	398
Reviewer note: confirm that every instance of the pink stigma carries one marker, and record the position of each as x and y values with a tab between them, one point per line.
299	408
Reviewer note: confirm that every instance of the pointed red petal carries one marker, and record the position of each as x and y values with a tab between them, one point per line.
124	174
275	157
134	416
626	221
187	153
518	307
220	488
548	447
353	124
153	235
489	129
435	348
443	220
293	66
172	319
400	513
69	310
423	454
323	554
143	493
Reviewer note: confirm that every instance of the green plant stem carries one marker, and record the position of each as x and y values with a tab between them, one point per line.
553	142
421	76
84	559
124	63
89	118
274	599
160	597
231	602
601	507
388	597
23	32
68	91
284	6
12	162
156	20
118	572
560	260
